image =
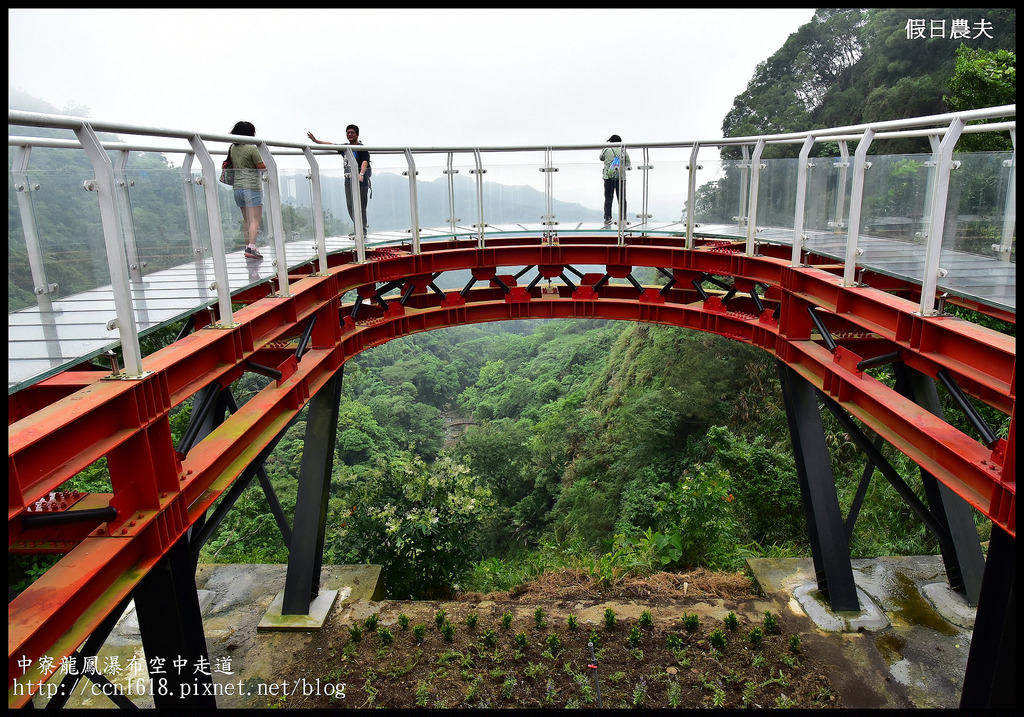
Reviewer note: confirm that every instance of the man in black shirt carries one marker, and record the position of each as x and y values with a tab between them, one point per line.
363	166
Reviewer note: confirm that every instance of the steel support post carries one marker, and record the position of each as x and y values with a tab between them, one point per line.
755	179
860	165
23	188
171	624
962	555
275	223
124	206
414	203
990	680
220	264
191	211
691	193
316	199
305	553
117	259
937	219
479	171
829	549
801	201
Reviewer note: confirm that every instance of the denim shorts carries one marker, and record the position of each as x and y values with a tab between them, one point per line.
248	198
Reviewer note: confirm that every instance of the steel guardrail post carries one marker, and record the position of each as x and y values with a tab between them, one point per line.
1005	246
801	200
276	225
755	180
316	199
860	165
414	208
937	220
209	181
352	178
23	189
479	171
691	194
191	211
117	259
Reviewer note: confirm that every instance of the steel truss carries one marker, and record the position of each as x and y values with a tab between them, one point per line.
823	332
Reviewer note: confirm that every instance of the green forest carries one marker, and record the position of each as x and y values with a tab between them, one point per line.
477	457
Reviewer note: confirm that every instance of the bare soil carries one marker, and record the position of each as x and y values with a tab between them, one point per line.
660	664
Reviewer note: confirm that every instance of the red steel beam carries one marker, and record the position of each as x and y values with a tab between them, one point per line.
158	496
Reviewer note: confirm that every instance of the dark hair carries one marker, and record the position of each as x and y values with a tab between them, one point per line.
352	126
245	128
615	138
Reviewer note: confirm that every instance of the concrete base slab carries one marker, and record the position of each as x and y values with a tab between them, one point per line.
870	617
128	625
319	609
950	604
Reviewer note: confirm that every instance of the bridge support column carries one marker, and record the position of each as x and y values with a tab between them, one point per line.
961	552
990	679
305	552
171	624
829	549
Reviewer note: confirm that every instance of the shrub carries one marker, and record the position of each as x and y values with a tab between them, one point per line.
609	618
594	638
691	622
384	635
440	617
794	643
506	620
356	633
770	624
554	644
731	621
419	632
756	636
415	521
448	631
674	642
717	638
571	622
646	619
538	617
371	623
634	636
471	619
521	640
403	621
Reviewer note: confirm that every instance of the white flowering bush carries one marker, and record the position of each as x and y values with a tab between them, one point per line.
417	522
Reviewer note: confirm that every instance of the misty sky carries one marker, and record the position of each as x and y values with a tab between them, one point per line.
406	77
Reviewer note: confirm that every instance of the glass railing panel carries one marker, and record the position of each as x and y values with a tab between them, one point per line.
159	236
827	206
296	205
577	191
776	200
720	198
445	196
513	191
68	250
978	238
667	187
894	217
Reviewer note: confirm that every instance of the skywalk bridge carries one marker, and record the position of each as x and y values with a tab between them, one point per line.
834	265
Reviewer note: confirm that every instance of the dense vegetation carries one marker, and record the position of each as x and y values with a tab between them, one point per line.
606	446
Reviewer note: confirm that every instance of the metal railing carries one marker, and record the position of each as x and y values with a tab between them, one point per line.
853	210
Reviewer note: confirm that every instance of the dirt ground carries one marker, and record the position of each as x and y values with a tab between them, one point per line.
648	658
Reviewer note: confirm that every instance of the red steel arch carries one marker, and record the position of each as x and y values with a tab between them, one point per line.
67	422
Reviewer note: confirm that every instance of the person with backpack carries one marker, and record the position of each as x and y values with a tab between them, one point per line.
362	166
616	162
245	163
